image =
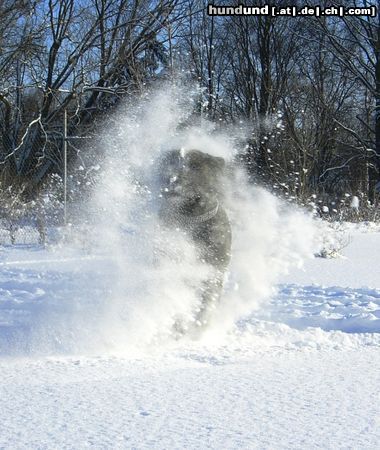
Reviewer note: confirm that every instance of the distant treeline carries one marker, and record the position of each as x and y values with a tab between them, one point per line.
309	86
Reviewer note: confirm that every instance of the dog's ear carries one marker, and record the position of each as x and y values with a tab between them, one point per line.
221	162
218	162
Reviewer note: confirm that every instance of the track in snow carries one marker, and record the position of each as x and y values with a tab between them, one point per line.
330	308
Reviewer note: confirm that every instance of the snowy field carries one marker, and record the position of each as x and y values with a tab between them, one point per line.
301	372
88	359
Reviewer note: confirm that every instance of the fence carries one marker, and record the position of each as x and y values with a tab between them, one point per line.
34	175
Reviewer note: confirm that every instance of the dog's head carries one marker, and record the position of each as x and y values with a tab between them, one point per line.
190	177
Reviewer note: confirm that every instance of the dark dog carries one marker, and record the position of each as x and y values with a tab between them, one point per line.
190	184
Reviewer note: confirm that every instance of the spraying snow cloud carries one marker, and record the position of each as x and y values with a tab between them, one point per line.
153	286
146	276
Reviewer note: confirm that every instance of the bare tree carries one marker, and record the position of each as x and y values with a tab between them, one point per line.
355	42
92	52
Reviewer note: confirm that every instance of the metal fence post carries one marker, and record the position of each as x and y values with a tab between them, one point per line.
65	168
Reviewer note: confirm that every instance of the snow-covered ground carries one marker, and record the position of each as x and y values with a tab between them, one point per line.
302	372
